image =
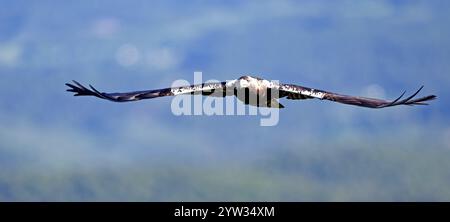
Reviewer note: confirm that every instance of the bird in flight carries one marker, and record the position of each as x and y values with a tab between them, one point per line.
265	93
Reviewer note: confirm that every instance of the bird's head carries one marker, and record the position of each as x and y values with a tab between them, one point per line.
247	81
244	81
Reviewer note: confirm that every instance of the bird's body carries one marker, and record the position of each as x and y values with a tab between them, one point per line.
255	91
251	91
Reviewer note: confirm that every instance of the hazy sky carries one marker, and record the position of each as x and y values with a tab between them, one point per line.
57	147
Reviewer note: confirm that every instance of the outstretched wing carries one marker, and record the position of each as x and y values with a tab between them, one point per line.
300	92
209	89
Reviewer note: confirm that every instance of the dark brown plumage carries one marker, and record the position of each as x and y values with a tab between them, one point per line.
266	92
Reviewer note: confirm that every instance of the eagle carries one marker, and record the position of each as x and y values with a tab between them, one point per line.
265	93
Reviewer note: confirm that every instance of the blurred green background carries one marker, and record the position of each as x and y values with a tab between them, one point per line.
55	147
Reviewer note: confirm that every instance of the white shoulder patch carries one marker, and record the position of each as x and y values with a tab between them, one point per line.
313	93
181	90
307	92
196	88
231	84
